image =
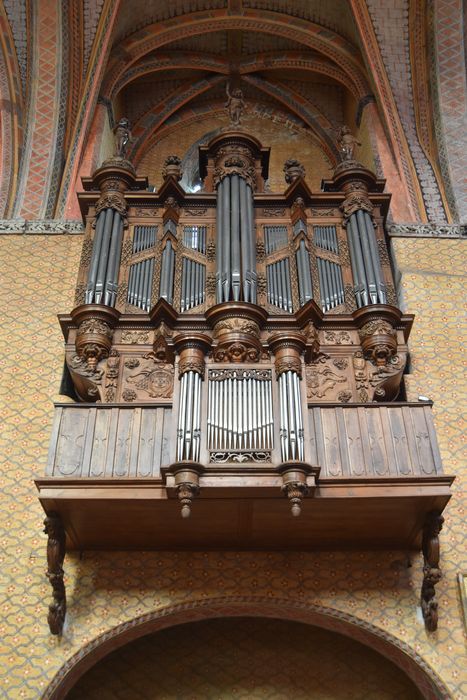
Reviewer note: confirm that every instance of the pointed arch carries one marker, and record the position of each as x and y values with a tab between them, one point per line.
11	116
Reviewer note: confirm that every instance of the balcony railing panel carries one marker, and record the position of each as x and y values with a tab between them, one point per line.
346	442
394	440
109	441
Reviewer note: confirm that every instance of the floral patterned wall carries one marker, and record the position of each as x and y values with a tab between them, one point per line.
372	590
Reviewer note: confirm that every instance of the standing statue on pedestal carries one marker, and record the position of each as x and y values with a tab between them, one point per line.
235	105
122	133
347	143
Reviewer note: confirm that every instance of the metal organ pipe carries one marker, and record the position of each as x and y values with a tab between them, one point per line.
236	245
102	281
251	271
367	258
361	289
189	417
381	287
220	241
245	233
291	419
95	256
369	286
103	257
225	235
239	411
235	235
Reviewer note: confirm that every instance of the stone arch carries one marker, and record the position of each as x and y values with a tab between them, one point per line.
303	32
393	649
153	118
266	61
11	116
448	50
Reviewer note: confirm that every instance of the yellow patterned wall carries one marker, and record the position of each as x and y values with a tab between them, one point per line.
104	589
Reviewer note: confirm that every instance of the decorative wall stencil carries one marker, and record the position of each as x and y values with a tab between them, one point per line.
372	590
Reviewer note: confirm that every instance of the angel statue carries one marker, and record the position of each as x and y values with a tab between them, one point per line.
122	133
235	104
347	143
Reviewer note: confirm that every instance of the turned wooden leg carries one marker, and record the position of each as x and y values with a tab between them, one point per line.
431	571
55	556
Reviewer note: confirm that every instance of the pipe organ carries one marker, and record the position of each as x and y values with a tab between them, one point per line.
229	351
240	414
235	306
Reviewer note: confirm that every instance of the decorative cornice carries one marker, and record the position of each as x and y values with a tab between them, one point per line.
40	227
428	230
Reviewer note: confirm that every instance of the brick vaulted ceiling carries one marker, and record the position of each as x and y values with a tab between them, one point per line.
321	62
300	58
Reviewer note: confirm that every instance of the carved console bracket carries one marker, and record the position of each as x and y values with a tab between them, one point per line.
55	556
182	480
95	330
288	349
431	572
192	349
95	324
298	481
236	331
377	330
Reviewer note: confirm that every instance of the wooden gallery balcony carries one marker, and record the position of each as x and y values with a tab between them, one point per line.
375	475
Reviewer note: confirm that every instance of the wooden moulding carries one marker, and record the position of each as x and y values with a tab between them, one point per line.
299	480
192	348
235	511
288	348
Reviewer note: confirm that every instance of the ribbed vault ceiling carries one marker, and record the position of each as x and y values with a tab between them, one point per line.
300	57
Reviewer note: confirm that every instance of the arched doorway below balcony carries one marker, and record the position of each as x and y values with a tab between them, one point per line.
237	647
244	658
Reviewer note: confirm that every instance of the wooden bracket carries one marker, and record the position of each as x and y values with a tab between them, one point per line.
55	555
431	572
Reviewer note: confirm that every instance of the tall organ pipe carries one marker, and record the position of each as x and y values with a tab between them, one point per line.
225	235
95	256
304	273
167	273
220	241
103	257
102	281
245	234
369	286
236	245
235	235
361	289
252	245
189	417
367	257
381	287
291	419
